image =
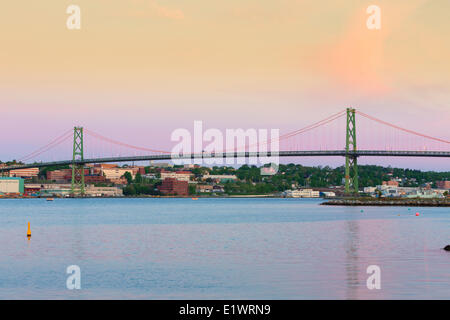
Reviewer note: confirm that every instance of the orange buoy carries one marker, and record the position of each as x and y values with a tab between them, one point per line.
417	214
29	230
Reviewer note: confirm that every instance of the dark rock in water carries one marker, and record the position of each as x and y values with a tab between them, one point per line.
447	248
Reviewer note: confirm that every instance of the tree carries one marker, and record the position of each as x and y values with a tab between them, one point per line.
129	190
138	178
128	176
192	189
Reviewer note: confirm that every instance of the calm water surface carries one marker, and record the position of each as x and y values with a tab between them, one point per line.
221	249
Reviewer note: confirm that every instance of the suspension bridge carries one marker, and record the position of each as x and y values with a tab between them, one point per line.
310	141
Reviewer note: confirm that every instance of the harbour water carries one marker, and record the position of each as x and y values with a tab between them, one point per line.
221	249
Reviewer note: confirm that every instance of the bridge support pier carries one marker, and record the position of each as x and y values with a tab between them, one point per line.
351	160
77	169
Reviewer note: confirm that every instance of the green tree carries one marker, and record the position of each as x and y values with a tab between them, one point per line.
192	189
128	176
138	178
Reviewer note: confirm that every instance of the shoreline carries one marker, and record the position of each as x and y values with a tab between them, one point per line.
414	202
256	196
389	202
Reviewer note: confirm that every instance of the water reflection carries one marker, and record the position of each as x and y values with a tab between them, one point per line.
351	261
220	249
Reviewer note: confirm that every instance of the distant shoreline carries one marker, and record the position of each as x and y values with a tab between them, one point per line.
256	196
389	202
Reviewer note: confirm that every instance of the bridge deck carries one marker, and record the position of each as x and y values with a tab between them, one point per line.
332	153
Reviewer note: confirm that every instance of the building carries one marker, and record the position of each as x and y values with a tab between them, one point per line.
190	166
103	191
443	185
179	175
94	178
141	170
160	164
55	192
24	173
329	194
220	177
59	175
218	189
409	192
120	181
201	188
172	186
11	185
302	193
149	176
105	165
117	173
32	190
370	189
391	183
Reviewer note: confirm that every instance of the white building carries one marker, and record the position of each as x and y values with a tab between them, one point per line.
302	193
116	173
11	185
179	175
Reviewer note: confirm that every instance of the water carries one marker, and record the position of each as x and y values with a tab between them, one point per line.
221	249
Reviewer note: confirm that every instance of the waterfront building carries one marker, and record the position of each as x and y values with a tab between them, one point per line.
218	189
202	188
329	194
370	190
409	192
11	185
57	191
172	186
103	191
302	193
32	190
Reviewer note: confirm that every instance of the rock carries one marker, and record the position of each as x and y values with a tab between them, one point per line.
447	248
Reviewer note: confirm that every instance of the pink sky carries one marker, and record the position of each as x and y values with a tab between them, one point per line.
137	70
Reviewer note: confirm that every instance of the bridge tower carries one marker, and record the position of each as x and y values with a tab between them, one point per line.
351	161
77	169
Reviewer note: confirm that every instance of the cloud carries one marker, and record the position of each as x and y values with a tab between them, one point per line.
358	57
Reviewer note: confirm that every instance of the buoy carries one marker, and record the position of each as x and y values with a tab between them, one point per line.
29	230
417	214
398	215
362	210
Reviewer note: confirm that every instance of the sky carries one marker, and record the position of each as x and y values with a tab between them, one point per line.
139	69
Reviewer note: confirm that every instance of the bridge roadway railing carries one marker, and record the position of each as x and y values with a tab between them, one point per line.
318	153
